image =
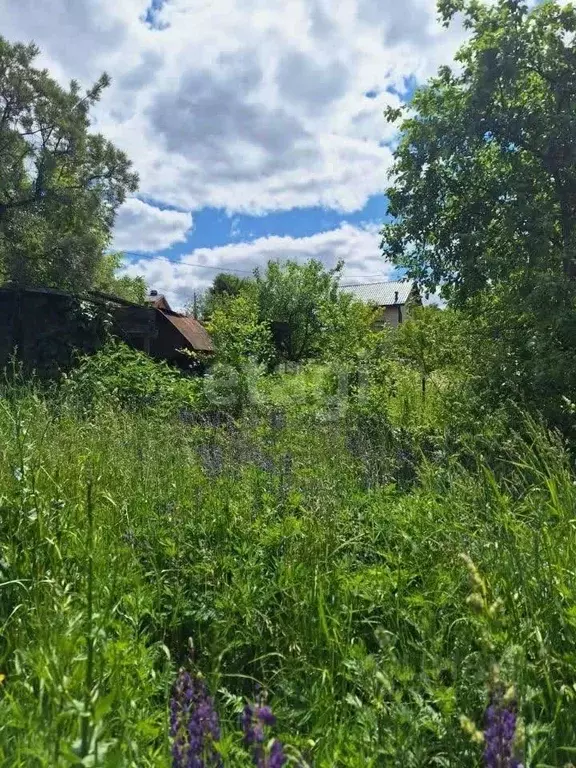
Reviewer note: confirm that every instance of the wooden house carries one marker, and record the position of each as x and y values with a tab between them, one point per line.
393	299
46	328
177	335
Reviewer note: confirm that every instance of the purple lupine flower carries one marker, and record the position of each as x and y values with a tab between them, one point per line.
194	725
276	758
254	721
247	722
499	733
277	420
265	715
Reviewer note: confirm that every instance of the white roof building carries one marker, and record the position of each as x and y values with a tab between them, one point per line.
394	298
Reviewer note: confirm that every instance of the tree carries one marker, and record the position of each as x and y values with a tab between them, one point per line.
60	186
483	190
125	287
238	332
225	286
243	345
429	341
299	307
485	174
295	300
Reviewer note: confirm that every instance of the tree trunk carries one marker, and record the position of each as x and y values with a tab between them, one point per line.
567	199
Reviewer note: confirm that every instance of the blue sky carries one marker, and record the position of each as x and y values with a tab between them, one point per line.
214	227
256	126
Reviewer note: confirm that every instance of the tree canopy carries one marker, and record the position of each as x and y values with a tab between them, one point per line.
484	180
295	300
108	280
483	192
224	286
299	308
60	185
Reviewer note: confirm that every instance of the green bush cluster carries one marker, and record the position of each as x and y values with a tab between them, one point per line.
120	376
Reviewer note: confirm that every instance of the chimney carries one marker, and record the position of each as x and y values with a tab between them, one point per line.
395	297
153	293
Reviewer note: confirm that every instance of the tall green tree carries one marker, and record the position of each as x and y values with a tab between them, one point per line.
298	303
60	185
108	280
484	180
483	190
430	340
224	286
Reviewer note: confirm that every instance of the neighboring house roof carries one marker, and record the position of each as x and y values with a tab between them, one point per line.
385	294
194	333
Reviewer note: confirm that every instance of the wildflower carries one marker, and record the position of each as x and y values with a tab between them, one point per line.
247	723
254	721
276	758
194	725
212	459
265	715
500	732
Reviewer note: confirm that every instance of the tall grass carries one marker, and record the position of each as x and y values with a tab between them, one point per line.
297	561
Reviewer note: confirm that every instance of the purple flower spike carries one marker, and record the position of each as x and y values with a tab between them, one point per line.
247	722
277	758
255	721
499	733
265	715
194	725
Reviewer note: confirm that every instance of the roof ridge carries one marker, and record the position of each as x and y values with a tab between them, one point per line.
376	282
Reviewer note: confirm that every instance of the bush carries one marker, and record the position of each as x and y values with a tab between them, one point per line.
120	376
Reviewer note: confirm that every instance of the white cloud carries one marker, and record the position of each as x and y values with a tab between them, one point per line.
252	105
143	227
358	247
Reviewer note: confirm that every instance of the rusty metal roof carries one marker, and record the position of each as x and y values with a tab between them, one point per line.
193	331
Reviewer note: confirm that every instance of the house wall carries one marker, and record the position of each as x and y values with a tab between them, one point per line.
167	340
45	330
391	316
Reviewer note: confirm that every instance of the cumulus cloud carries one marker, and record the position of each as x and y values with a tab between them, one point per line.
249	105
358	247
143	227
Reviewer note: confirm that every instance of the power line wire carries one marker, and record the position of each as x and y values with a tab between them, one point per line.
192	264
228	269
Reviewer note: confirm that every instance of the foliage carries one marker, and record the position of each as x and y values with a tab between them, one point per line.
119	375
348	329
300	310
486	164
60	185
302	304
431	339
484	193
242	342
238	332
125	287
225	286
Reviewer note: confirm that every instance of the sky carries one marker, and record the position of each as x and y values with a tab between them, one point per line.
256	126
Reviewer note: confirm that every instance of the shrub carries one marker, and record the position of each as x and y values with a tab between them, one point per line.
120	376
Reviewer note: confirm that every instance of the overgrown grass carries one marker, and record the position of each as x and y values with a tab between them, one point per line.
310	556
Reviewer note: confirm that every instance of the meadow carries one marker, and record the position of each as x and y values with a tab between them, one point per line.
301	555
